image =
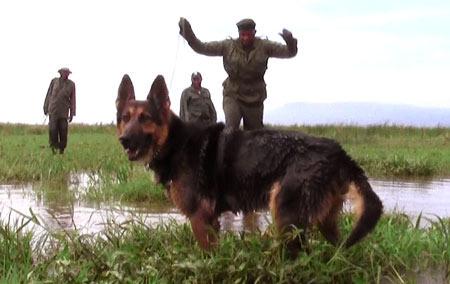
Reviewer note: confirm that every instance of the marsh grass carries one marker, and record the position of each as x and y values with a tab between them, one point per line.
138	186
383	151
25	155
16	257
133	252
392	151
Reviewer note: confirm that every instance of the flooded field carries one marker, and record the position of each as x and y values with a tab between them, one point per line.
61	207
430	198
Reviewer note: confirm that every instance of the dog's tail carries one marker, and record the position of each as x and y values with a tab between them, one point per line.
367	205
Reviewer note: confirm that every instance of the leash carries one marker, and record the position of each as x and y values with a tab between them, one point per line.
175	62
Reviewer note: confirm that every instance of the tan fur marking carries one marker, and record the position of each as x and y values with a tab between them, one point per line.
208	206
149	128
177	196
204	228
274	191
162	134
325	208
120	128
132	110
355	197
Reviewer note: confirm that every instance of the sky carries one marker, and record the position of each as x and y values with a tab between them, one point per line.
384	51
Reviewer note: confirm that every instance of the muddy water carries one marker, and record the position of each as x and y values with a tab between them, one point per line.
59	205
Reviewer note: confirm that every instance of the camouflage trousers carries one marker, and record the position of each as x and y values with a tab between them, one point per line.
58	130
235	110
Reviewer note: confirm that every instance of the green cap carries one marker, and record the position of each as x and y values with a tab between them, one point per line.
246	25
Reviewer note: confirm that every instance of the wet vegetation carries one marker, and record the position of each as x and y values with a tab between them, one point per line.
392	151
381	150
134	252
25	156
398	251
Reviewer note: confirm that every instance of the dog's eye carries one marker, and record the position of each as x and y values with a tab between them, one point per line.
126	117
144	117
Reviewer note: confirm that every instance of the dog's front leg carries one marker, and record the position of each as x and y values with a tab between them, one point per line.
205	224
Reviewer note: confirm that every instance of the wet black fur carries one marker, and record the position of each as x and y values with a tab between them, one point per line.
210	170
235	170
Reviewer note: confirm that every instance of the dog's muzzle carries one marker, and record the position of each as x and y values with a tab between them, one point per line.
136	146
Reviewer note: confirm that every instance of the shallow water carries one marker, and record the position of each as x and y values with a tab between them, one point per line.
59	206
430	198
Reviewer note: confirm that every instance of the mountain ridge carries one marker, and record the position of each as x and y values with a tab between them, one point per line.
358	113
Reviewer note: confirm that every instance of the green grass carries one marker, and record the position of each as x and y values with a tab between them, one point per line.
16	257
25	156
392	151
383	151
132	252
137	187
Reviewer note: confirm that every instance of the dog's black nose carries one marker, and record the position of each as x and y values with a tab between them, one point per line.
125	141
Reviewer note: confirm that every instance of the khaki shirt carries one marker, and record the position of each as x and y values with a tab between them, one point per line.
196	106
60	99
245	69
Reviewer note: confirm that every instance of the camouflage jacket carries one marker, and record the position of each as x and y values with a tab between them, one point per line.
197	107
245	69
60	99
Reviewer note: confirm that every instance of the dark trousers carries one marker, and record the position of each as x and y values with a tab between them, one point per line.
235	110
58	130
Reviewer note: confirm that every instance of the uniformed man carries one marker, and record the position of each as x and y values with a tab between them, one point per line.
195	104
60	106
245	61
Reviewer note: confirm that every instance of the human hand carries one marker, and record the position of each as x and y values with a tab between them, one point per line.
186	29
291	42
287	36
70	118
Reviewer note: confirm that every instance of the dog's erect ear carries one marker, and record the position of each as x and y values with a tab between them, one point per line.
125	93
158	97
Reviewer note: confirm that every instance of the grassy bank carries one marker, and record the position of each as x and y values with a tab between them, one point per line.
383	151
25	155
397	251
392	151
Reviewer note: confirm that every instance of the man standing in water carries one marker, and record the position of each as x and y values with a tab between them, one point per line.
60	105
245	61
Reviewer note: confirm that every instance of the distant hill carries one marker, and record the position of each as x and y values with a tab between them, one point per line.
358	114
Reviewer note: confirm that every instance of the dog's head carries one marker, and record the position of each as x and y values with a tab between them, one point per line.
143	126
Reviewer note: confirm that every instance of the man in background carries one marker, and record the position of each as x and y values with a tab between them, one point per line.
195	104
60	105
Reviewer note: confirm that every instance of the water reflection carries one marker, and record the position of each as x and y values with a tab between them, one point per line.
58	205
249	222
429	198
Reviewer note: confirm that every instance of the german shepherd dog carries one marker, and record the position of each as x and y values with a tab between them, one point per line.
208	170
